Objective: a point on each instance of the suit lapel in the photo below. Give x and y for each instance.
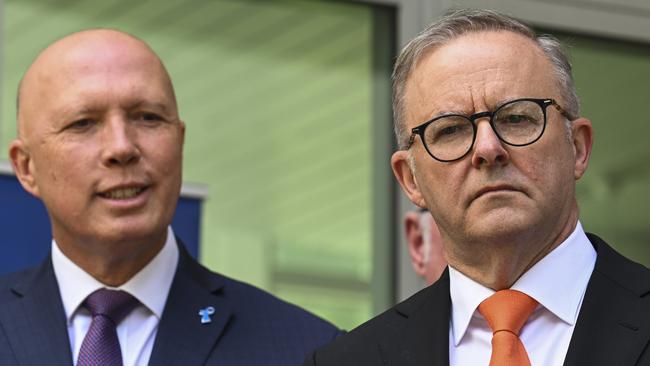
(613, 327)
(422, 338)
(182, 339)
(35, 322)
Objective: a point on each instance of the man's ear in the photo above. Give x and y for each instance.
(583, 138)
(415, 242)
(22, 163)
(406, 178)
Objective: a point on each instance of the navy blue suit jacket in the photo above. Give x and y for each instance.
(249, 326)
(613, 327)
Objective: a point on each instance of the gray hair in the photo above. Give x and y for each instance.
(458, 23)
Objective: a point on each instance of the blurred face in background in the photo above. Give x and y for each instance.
(424, 245)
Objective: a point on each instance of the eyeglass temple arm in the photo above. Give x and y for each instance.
(414, 132)
(561, 110)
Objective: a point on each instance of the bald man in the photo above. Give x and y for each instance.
(100, 142)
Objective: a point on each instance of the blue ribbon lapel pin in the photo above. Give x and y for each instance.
(206, 314)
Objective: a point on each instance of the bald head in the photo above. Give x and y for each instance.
(78, 51)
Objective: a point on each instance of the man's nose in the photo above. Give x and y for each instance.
(488, 148)
(120, 143)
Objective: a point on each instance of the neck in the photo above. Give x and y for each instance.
(112, 264)
(498, 264)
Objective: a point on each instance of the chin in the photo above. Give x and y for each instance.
(132, 232)
(501, 224)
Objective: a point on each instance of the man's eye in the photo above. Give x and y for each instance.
(81, 124)
(150, 117)
(516, 118)
(450, 130)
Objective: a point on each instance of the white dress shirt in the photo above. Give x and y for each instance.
(558, 282)
(150, 286)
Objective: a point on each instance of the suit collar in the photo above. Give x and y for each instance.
(423, 338)
(182, 338)
(613, 326)
(152, 283)
(34, 320)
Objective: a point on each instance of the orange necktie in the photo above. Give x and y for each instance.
(506, 312)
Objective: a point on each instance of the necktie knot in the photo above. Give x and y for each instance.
(101, 346)
(113, 304)
(507, 310)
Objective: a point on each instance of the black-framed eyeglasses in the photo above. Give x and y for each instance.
(519, 122)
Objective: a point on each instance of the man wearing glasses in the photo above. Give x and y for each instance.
(491, 142)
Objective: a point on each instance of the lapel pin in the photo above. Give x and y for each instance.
(205, 315)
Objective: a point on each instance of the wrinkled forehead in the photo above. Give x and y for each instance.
(476, 72)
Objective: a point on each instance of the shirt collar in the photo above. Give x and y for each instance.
(558, 282)
(75, 284)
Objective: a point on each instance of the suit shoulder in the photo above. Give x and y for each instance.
(360, 345)
(272, 305)
(628, 274)
(283, 332)
(253, 305)
(257, 309)
(258, 329)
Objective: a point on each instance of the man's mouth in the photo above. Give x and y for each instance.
(122, 193)
(496, 188)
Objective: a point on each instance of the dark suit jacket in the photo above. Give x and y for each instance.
(613, 327)
(249, 326)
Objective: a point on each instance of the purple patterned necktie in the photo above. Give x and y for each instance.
(101, 346)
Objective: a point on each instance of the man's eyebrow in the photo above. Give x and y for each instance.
(157, 105)
(492, 107)
(70, 111)
(501, 102)
(445, 112)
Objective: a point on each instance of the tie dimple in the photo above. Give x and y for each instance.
(101, 346)
(506, 311)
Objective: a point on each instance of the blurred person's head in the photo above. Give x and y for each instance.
(490, 140)
(424, 245)
(100, 143)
